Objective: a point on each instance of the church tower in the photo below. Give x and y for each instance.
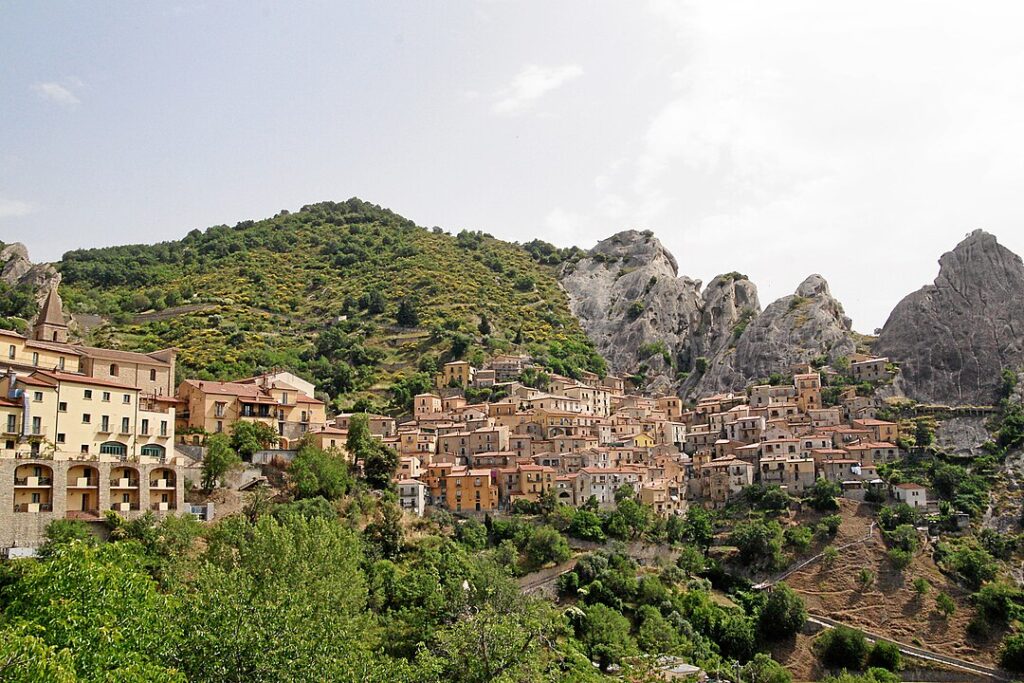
(50, 325)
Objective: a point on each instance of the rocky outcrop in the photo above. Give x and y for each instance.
(644, 318)
(629, 297)
(16, 269)
(953, 338)
(795, 329)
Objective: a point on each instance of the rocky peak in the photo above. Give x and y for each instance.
(954, 337)
(636, 248)
(792, 330)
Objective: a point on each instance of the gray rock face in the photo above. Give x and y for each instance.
(629, 297)
(953, 338)
(16, 269)
(794, 329)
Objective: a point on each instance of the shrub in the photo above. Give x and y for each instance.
(842, 648)
(885, 655)
(783, 614)
(1011, 653)
(944, 604)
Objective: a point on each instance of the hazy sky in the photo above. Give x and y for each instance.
(858, 140)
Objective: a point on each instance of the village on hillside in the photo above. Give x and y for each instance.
(87, 430)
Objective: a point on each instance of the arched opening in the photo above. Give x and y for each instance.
(162, 488)
(124, 489)
(114, 370)
(33, 488)
(83, 492)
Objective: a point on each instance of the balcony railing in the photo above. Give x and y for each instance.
(33, 482)
(161, 507)
(34, 507)
(124, 507)
(83, 482)
(161, 484)
(124, 483)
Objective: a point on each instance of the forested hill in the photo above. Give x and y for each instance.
(349, 294)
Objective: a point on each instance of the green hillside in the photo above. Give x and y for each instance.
(320, 291)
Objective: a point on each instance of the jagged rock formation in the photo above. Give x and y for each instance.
(629, 297)
(953, 338)
(16, 269)
(793, 330)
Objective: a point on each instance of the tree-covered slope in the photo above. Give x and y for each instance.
(321, 291)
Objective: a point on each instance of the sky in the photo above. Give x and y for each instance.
(855, 140)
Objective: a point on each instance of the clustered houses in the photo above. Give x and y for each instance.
(578, 440)
(85, 430)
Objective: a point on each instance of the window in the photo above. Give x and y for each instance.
(87, 394)
(86, 418)
(219, 408)
(124, 425)
(220, 427)
(126, 399)
(35, 358)
(10, 444)
(145, 426)
(12, 424)
(37, 397)
(62, 407)
(85, 449)
(113, 370)
(11, 351)
(152, 375)
(37, 426)
(60, 362)
(113, 448)
(152, 450)
(163, 427)
(105, 423)
(106, 396)
(60, 438)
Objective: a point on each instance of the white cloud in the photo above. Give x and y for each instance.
(57, 93)
(12, 208)
(530, 84)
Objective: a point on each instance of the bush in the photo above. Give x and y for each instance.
(1011, 653)
(944, 604)
(842, 648)
(885, 655)
(799, 537)
(759, 543)
(783, 614)
(823, 495)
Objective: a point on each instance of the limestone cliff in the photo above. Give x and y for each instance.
(16, 269)
(953, 338)
(792, 330)
(629, 297)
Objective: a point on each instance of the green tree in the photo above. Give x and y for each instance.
(823, 495)
(407, 315)
(842, 648)
(247, 437)
(218, 460)
(586, 525)
(385, 533)
(885, 655)
(1011, 652)
(547, 545)
(61, 532)
(763, 669)
(944, 604)
(25, 657)
(921, 586)
(380, 463)
(699, 528)
(605, 635)
(485, 325)
(315, 472)
(110, 617)
(783, 614)
(759, 543)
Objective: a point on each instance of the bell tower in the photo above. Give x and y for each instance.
(50, 325)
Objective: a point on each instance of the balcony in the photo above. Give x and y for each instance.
(104, 429)
(33, 482)
(161, 507)
(124, 507)
(124, 483)
(161, 484)
(34, 507)
(83, 483)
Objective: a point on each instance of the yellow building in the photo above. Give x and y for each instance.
(214, 407)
